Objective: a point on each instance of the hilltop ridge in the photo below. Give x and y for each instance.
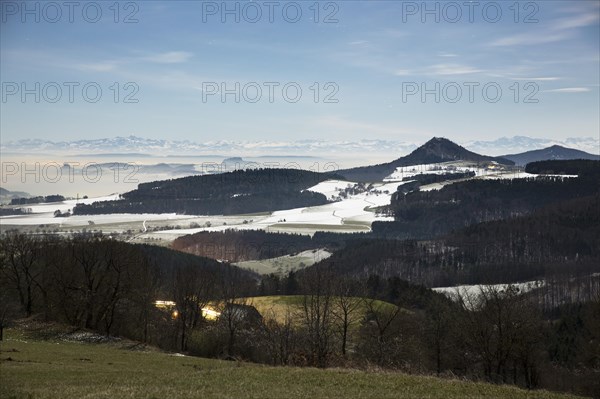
(438, 149)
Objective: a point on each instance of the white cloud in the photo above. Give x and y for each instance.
(542, 79)
(107, 66)
(531, 39)
(569, 90)
(402, 72)
(171, 57)
(577, 21)
(453, 69)
(448, 55)
(556, 30)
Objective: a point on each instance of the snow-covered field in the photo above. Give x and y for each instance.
(474, 291)
(352, 209)
(349, 213)
(491, 171)
(284, 264)
(43, 213)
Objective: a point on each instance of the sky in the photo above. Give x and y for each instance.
(284, 71)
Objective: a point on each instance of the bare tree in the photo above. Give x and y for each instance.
(9, 310)
(440, 321)
(381, 329)
(237, 313)
(346, 312)
(19, 264)
(503, 328)
(145, 292)
(317, 315)
(280, 337)
(192, 290)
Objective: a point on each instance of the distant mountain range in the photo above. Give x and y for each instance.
(144, 146)
(133, 145)
(555, 152)
(436, 150)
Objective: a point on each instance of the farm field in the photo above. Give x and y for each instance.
(32, 368)
(278, 307)
(345, 215)
(284, 264)
(349, 213)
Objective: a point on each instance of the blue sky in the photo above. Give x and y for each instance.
(370, 53)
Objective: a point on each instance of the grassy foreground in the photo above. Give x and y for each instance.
(59, 369)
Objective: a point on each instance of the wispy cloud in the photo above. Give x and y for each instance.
(541, 79)
(554, 31)
(577, 21)
(104, 66)
(402, 72)
(525, 39)
(440, 70)
(171, 57)
(569, 90)
(452, 69)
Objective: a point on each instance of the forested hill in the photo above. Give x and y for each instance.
(242, 191)
(560, 239)
(555, 152)
(239, 246)
(438, 149)
(585, 168)
(427, 214)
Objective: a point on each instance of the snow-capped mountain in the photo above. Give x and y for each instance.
(158, 147)
(139, 145)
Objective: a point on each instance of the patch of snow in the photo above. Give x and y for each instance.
(442, 168)
(316, 254)
(331, 188)
(64, 206)
(83, 220)
(350, 214)
(474, 291)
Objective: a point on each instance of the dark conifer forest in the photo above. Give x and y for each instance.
(241, 191)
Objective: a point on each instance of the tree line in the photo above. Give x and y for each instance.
(560, 239)
(94, 282)
(242, 245)
(237, 192)
(427, 214)
(37, 200)
(580, 167)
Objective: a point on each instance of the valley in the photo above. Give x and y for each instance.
(300, 268)
(313, 199)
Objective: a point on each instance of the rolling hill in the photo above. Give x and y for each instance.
(555, 152)
(562, 236)
(34, 368)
